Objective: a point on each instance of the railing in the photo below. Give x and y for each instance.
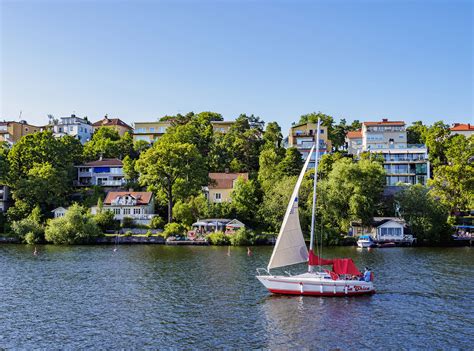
(111, 183)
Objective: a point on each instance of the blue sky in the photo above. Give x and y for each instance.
(409, 60)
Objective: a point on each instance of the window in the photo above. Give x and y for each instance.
(218, 196)
(117, 211)
(152, 130)
(136, 211)
(391, 231)
(126, 211)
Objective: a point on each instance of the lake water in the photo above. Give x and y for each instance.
(200, 298)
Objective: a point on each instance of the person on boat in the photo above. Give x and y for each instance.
(367, 274)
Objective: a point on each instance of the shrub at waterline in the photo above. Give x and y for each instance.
(218, 238)
(242, 237)
(173, 229)
(157, 223)
(76, 227)
(29, 229)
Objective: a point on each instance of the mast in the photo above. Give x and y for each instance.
(311, 242)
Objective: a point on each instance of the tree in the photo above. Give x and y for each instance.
(351, 191)
(326, 120)
(292, 163)
(189, 210)
(339, 132)
(4, 164)
(416, 133)
(272, 136)
(131, 175)
(435, 138)
(426, 216)
(173, 170)
(245, 200)
(76, 227)
(29, 229)
(268, 167)
(453, 183)
(104, 143)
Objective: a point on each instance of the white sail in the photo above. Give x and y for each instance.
(290, 247)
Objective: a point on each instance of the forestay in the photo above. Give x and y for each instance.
(290, 247)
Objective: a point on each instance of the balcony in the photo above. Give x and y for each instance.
(110, 182)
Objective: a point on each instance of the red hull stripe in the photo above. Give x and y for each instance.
(317, 293)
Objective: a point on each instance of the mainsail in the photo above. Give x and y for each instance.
(290, 247)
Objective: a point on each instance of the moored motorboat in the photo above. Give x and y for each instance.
(365, 241)
(343, 280)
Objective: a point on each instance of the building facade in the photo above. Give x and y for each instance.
(150, 131)
(221, 126)
(4, 198)
(221, 186)
(11, 131)
(79, 128)
(106, 172)
(403, 163)
(463, 129)
(114, 123)
(303, 137)
(137, 205)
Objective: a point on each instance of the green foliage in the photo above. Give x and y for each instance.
(157, 223)
(245, 200)
(218, 238)
(351, 191)
(92, 196)
(291, 164)
(128, 233)
(268, 173)
(104, 143)
(427, 217)
(173, 229)
(41, 171)
(29, 229)
(416, 133)
(172, 169)
(76, 227)
(453, 183)
(242, 237)
(105, 220)
(272, 137)
(435, 138)
(188, 211)
(4, 163)
(127, 222)
(131, 175)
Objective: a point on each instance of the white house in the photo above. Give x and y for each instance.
(384, 229)
(59, 212)
(107, 172)
(137, 205)
(79, 128)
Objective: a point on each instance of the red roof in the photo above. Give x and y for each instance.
(104, 162)
(462, 127)
(142, 197)
(354, 134)
(384, 122)
(105, 122)
(225, 180)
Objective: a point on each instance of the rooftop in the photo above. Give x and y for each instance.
(225, 180)
(383, 122)
(142, 197)
(354, 134)
(104, 162)
(458, 127)
(111, 122)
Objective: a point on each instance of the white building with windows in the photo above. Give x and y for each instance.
(137, 205)
(59, 212)
(107, 172)
(384, 229)
(79, 128)
(404, 163)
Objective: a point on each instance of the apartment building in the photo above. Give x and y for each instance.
(107, 172)
(11, 131)
(303, 137)
(79, 128)
(114, 123)
(404, 163)
(150, 131)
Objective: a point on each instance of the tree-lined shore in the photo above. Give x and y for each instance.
(40, 170)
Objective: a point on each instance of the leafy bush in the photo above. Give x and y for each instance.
(77, 226)
(218, 238)
(127, 222)
(105, 220)
(157, 223)
(28, 230)
(242, 237)
(128, 233)
(148, 234)
(173, 229)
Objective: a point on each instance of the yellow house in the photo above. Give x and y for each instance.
(150, 131)
(303, 136)
(222, 126)
(116, 123)
(12, 131)
(221, 186)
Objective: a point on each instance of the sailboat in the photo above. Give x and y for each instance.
(344, 279)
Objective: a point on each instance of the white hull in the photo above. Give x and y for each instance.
(315, 284)
(365, 243)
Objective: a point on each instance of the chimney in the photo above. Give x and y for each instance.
(384, 119)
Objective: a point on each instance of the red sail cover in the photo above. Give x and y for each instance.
(339, 265)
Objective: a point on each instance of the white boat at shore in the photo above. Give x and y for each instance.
(365, 241)
(343, 280)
